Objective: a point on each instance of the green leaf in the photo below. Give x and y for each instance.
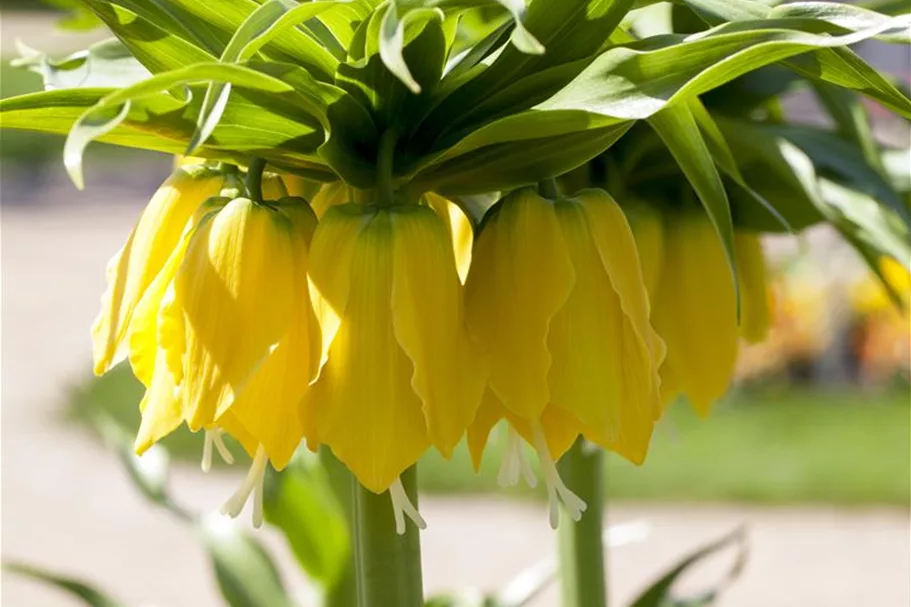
(660, 593)
(300, 503)
(164, 123)
(305, 106)
(847, 162)
(843, 68)
(639, 79)
(83, 592)
(392, 40)
(367, 77)
(104, 64)
(264, 24)
(861, 217)
(778, 171)
(246, 574)
(521, 38)
(897, 164)
(847, 17)
(156, 48)
(724, 158)
(519, 150)
(570, 30)
(292, 45)
(716, 11)
(676, 126)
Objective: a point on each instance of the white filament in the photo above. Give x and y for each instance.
(252, 483)
(557, 492)
(514, 463)
(206, 464)
(213, 437)
(402, 506)
(220, 446)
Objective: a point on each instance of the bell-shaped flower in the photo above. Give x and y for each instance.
(232, 336)
(694, 303)
(152, 241)
(555, 295)
(400, 373)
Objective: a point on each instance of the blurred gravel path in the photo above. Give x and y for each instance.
(67, 505)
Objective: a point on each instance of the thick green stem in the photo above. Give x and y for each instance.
(388, 564)
(548, 189)
(255, 180)
(344, 486)
(582, 564)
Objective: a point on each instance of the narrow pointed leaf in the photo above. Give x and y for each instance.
(677, 128)
(81, 591)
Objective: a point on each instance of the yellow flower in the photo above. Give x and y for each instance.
(211, 295)
(871, 296)
(400, 374)
(556, 296)
(130, 272)
(328, 196)
(246, 332)
(460, 230)
(694, 303)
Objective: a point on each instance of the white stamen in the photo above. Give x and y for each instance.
(213, 437)
(402, 507)
(252, 482)
(514, 463)
(258, 501)
(557, 492)
(220, 446)
(206, 464)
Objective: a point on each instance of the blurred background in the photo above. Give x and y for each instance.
(810, 449)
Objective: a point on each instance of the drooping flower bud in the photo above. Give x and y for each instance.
(130, 272)
(400, 374)
(556, 296)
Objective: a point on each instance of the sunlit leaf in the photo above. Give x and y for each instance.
(300, 503)
(246, 574)
(104, 64)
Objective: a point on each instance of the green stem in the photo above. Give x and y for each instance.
(389, 565)
(255, 180)
(384, 167)
(548, 189)
(582, 565)
(344, 486)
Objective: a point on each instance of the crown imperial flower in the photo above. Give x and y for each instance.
(556, 296)
(400, 373)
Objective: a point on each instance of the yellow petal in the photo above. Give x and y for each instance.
(330, 195)
(695, 310)
(363, 402)
(603, 370)
(238, 293)
(160, 407)
(267, 408)
(647, 228)
(459, 227)
(755, 312)
(273, 187)
(520, 277)
(144, 330)
(334, 248)
(489, 413)
(146, 251)
(429, 320)
(561, 429)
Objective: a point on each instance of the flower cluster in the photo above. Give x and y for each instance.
(380, 331)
